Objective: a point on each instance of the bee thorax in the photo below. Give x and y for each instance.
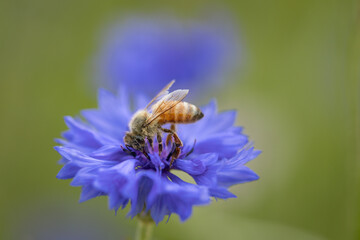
(138, 121)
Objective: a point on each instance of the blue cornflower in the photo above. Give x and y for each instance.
(163, 48)
(214, 155)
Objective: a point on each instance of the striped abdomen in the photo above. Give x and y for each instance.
(183, 112)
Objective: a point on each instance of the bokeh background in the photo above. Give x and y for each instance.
(296, 92)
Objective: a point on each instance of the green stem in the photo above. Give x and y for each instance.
(145, 227)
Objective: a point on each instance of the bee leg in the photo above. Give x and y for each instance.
(171, 152)
(177, 140)
(151, 143)
(178, 144)
(177, 150)
(174, 156)
(145, 154)
(168, 139)
(159, 139)
(169, 136)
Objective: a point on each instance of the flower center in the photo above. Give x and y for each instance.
(158, 158)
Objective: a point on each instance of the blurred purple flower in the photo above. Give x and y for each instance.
(92, 155)
(149, 52)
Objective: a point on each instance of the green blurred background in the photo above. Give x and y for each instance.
(296, 95)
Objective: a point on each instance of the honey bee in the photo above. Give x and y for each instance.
(164, 108)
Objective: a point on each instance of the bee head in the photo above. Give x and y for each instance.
(134, 141)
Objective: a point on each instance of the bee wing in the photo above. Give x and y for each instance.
(166, 103)
(161, 94)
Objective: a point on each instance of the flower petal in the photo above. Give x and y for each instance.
(168, 197)
(110, 152)
(214, 131)
(143, 184)
(221, 192)
(230, 176)
(88, 192)
(190, 166)
(68, 171)
(117, 183)
(83, 135)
